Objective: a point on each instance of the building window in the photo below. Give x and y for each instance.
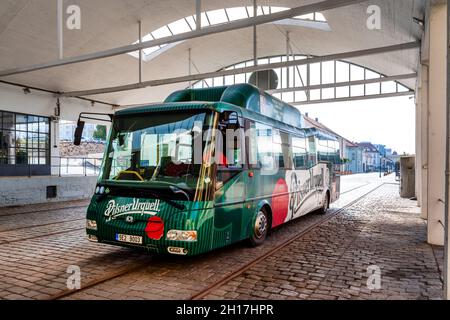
(24, 139)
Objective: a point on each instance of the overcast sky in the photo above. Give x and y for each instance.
(389, 121)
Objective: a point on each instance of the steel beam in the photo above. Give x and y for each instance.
(60, 8)
(54, 93)
(140, 51)
(198, 14)
(201, 76)
(369, 97)
(239, 24)
(255, 35)
(345, 84)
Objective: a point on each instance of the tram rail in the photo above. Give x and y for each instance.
(204, 292)
(41, 225)
(41, 210)
(3, 242)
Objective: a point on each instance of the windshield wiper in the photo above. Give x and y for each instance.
(155, 195)
(177, 190)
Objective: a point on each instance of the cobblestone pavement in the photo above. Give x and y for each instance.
(328, 262)
(331, 262)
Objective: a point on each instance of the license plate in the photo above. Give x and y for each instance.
(128, 238)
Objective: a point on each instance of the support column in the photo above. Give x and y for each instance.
(437, 123)
(54, 147)
(418, 170)
(447, 186)
(422, 166)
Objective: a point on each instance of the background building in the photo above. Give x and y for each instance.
(370, 157)
(355, 158)
(67, 130)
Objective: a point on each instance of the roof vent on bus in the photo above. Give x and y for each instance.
(242, 95)
(205, 94)
(264, 79)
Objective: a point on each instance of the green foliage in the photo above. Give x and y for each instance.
(21, 157)
(100, 132)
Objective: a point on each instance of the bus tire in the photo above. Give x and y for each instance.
(260, 228)
(326, 203)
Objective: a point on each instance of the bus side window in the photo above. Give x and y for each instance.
(282, 149)
(312, 151)
(229, 144)
(322, 149)
(230, 149)
(265, 145)
(299, 152)
(251, 144)
(286, 149)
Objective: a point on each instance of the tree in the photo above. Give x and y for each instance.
(100, 132)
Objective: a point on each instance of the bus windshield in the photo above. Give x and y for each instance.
(158, 148)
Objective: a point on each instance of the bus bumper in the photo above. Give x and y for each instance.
(187, 234)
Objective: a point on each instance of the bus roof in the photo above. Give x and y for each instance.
(220, 107)
(245, 96)
(248, 100)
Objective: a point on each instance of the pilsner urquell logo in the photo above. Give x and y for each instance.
(114, 210)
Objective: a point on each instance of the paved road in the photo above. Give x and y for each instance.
(40, 242)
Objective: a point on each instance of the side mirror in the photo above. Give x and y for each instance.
(78, 133)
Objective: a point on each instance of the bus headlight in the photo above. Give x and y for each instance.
(92, 238)
(180, 235)
(91, 224)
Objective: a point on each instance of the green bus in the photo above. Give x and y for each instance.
(207, 168)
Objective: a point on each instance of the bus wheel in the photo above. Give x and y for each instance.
(326, 204)
(260, 228)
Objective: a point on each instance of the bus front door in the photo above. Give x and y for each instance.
(229, 205)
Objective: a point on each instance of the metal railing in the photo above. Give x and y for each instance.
(86, 166)
(54, 165)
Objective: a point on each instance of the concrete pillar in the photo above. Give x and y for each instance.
(54, 147)
(422, 151)
(437, 90)
(447, 199)
(418, 166)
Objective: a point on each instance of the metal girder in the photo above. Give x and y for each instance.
(56, 94)
(347, 83)
(239, 24)
(255, 35)
(198, 14)
(356, 98)
(154, 83)
(140, 51)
